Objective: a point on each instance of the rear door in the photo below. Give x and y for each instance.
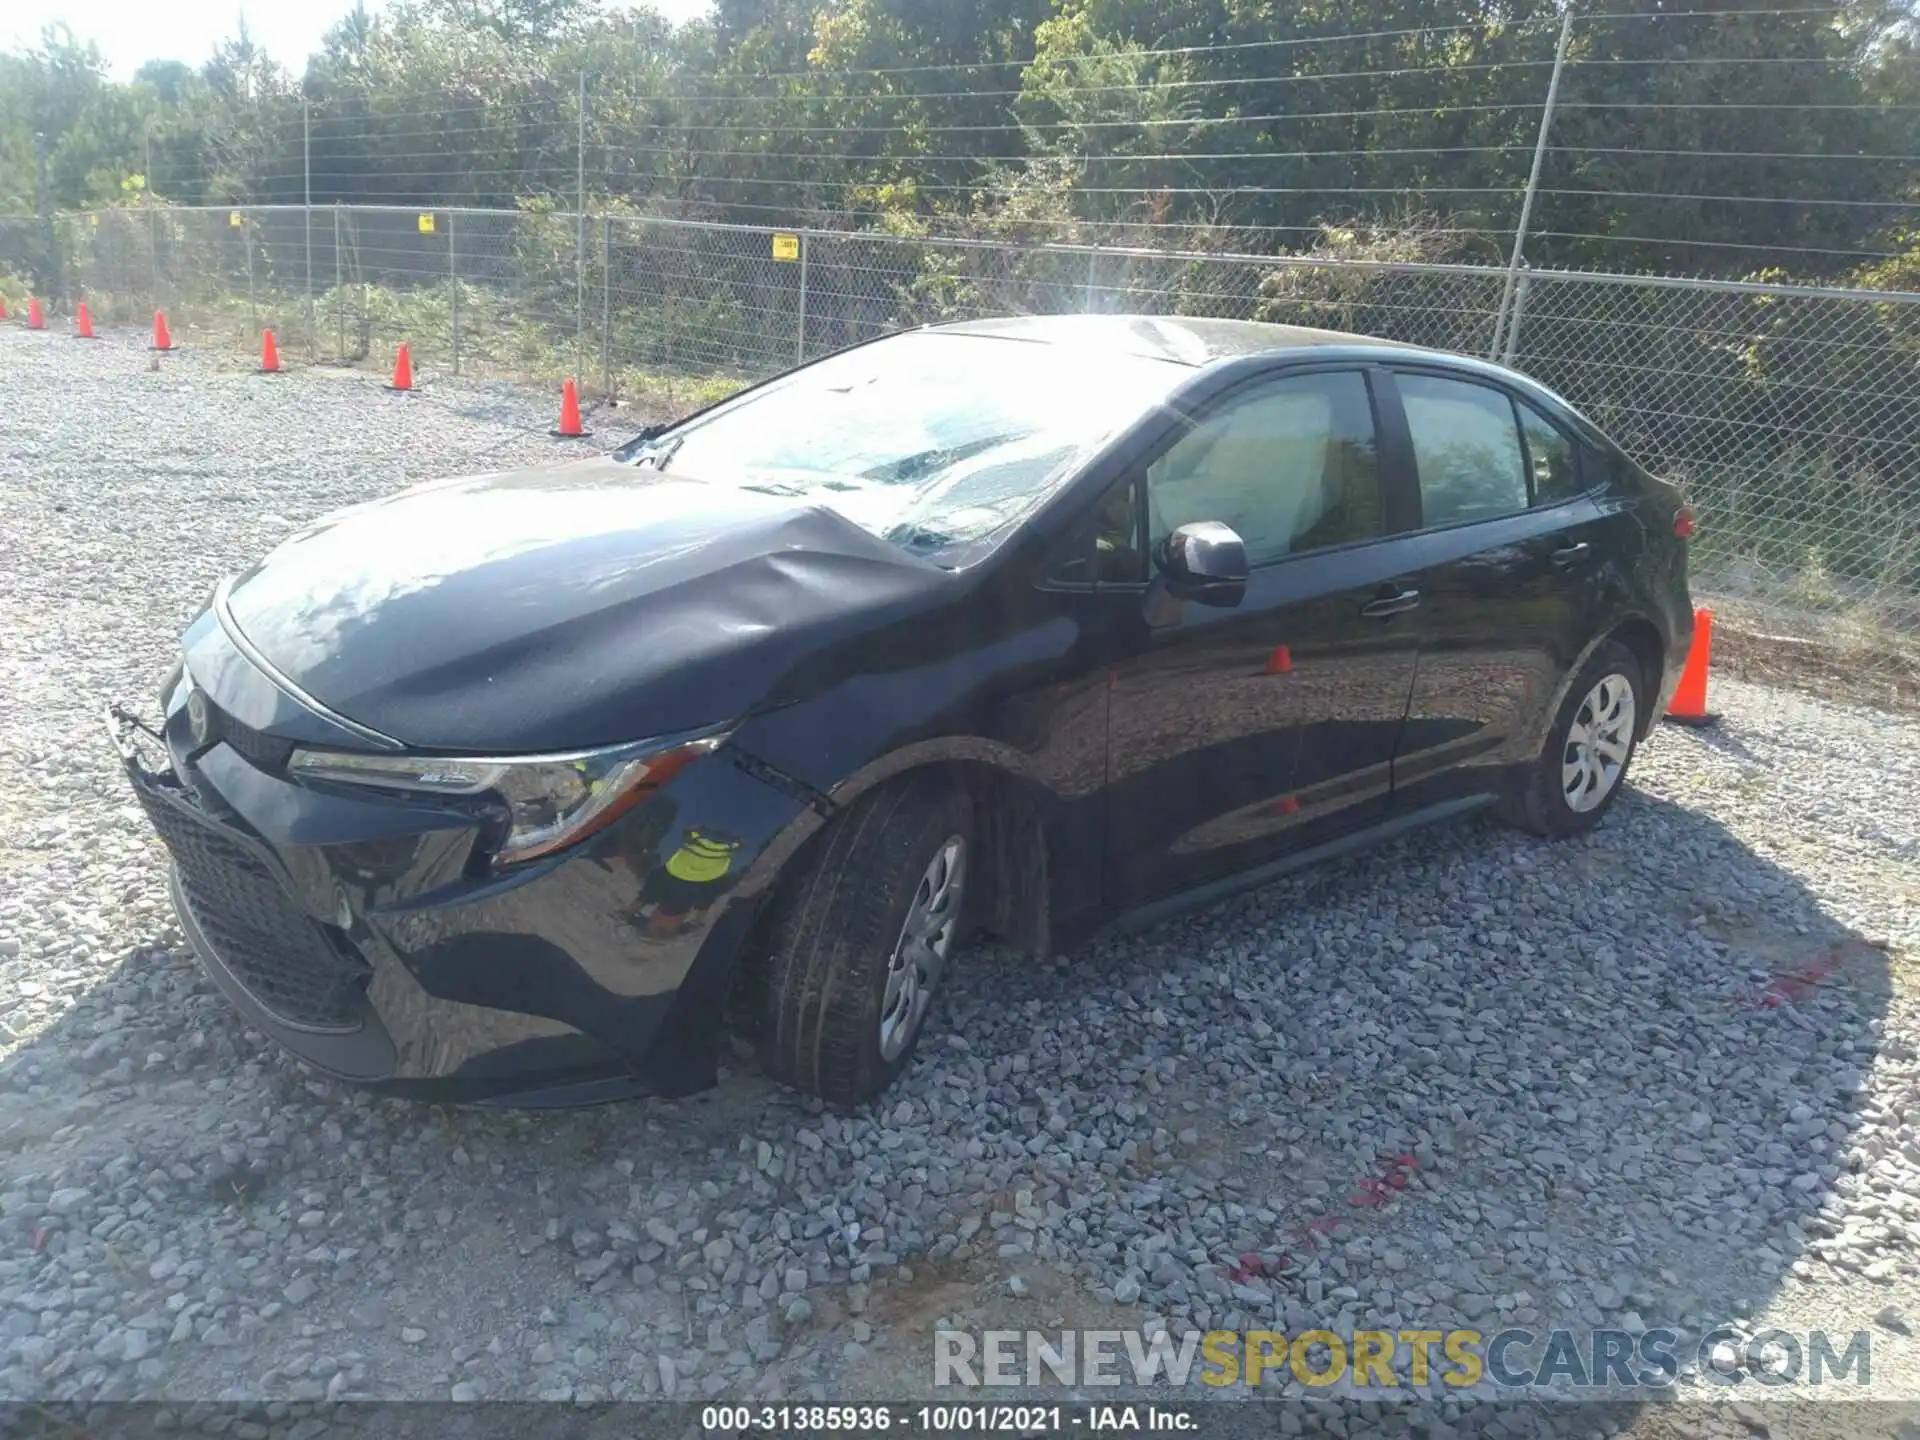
(1505, 559)
(1213, 711)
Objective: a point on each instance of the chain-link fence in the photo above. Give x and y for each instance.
(1791, 415)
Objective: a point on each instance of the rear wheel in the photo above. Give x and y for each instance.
(1579, 774)
(862, 940)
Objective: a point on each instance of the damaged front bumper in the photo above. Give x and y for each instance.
(357, 935)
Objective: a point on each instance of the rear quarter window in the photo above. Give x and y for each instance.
(1553, 463)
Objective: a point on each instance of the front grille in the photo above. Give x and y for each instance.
(296, 968)
(268, 752)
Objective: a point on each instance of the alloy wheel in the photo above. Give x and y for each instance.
(920, 954)
(1598, 743)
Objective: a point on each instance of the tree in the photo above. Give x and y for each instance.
(1721, 140)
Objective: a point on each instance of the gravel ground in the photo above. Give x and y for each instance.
(1661, 1076)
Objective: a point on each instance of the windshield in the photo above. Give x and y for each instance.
(935, 442)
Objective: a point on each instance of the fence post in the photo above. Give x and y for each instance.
(606, 306)
(253, 295)
(1093, 280)
(1512, 345)
(339, 289)
(153, 228)
(580, 234)
(800, 330)
(1533, 184)
(43, 196)
(153, 256)
(306, 169)
(453, 281)
(366, 314)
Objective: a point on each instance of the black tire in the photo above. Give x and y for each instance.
(836, 932)
(1538, 800)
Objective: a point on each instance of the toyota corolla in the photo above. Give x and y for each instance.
(519, 788)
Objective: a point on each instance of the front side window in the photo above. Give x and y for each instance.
(938, 443)
(1291, 465)
(1466, 447)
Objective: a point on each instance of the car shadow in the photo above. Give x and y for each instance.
(1682, 1178)
(1622, 1076)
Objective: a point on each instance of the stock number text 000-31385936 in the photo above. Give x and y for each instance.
(881, 1419)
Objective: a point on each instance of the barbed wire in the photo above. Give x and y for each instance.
(911, 97)
(1728, 199)
(1740, 14)
(1490, 27)
(1718, 244)
(1725, 154)
(420, 147)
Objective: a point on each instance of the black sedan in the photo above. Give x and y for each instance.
(518, 788)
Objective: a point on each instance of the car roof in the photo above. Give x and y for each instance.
(1185, 340)
(1198, 341)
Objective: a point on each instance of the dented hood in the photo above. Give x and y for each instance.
(566, 608)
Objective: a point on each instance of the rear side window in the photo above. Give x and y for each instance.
(1466, 447)
(1550, 458)
(1291, 465)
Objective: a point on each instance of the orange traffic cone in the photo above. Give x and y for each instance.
(269, 354)
(402, 370)
(569, 426)
(82, 323)
(1689, 705)
(35, 320)
(162, 337)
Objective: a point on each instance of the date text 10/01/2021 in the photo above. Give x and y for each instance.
(942, 1419)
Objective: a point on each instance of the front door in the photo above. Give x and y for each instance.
(1231, 728)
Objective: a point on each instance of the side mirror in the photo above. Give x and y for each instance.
(1205, 562)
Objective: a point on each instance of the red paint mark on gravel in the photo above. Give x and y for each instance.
(1796, 985)
(1392, 1174)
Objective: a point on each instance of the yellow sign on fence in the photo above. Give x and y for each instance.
(786, 246)
(426, 224)
(236, 219)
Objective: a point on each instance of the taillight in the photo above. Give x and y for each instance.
(1683, 522)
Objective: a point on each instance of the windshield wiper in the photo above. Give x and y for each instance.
(910, 469)
(811, 482)
(640, 441)
(645, 447)
(665, 453)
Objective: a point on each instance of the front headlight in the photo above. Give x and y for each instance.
(555, 800)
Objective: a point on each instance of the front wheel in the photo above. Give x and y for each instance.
(862, 939)
(1579, 774)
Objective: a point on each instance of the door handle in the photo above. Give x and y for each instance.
(1568, 556)
(1397, 603)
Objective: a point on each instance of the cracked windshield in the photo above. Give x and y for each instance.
(936, 443)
